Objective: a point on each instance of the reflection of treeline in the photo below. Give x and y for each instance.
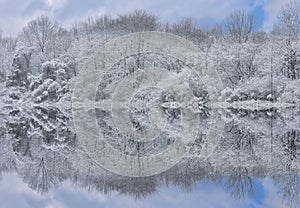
(39, 67)
(291, 144)
(239, 182)
(235, 165)
(254, 114)
(49, 125)
(35, 144)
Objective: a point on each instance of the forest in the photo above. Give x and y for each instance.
(260, 72)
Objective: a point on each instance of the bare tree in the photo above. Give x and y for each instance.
(185, 28)
(39, 32)
(240, 184)
(75, 31)
(7, 50)
(289, 20)
(105, 24)
(188, 29)
(288, 188)
(288, 27)
(239, 25)
(138, 21)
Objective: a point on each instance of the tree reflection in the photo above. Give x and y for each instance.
(40, 145)
(239, 184)
(291, 144)
(289, 188)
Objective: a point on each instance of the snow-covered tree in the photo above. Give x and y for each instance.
(48, 37)
(21, 68)
(291, 64)
(239, 25)
(260, 72)
(7, 50)
(288, 20)
(53, 83)
(185, 28)
(137, 21)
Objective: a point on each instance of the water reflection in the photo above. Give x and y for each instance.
(40, 145)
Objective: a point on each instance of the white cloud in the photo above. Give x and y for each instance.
(50, 2)
(56, 204)
(56, 4)
(172, 10)
(272, 200)
(10, 19)
(15, 14)
(66, 12)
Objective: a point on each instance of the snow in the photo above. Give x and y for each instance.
(142, 103)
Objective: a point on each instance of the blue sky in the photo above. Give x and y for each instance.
(14, 193)
(14, 14)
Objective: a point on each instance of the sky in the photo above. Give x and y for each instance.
(15, 14)
(14, 193)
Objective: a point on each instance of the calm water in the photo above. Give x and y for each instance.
(254, 164)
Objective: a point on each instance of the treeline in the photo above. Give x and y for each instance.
(237, 49)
